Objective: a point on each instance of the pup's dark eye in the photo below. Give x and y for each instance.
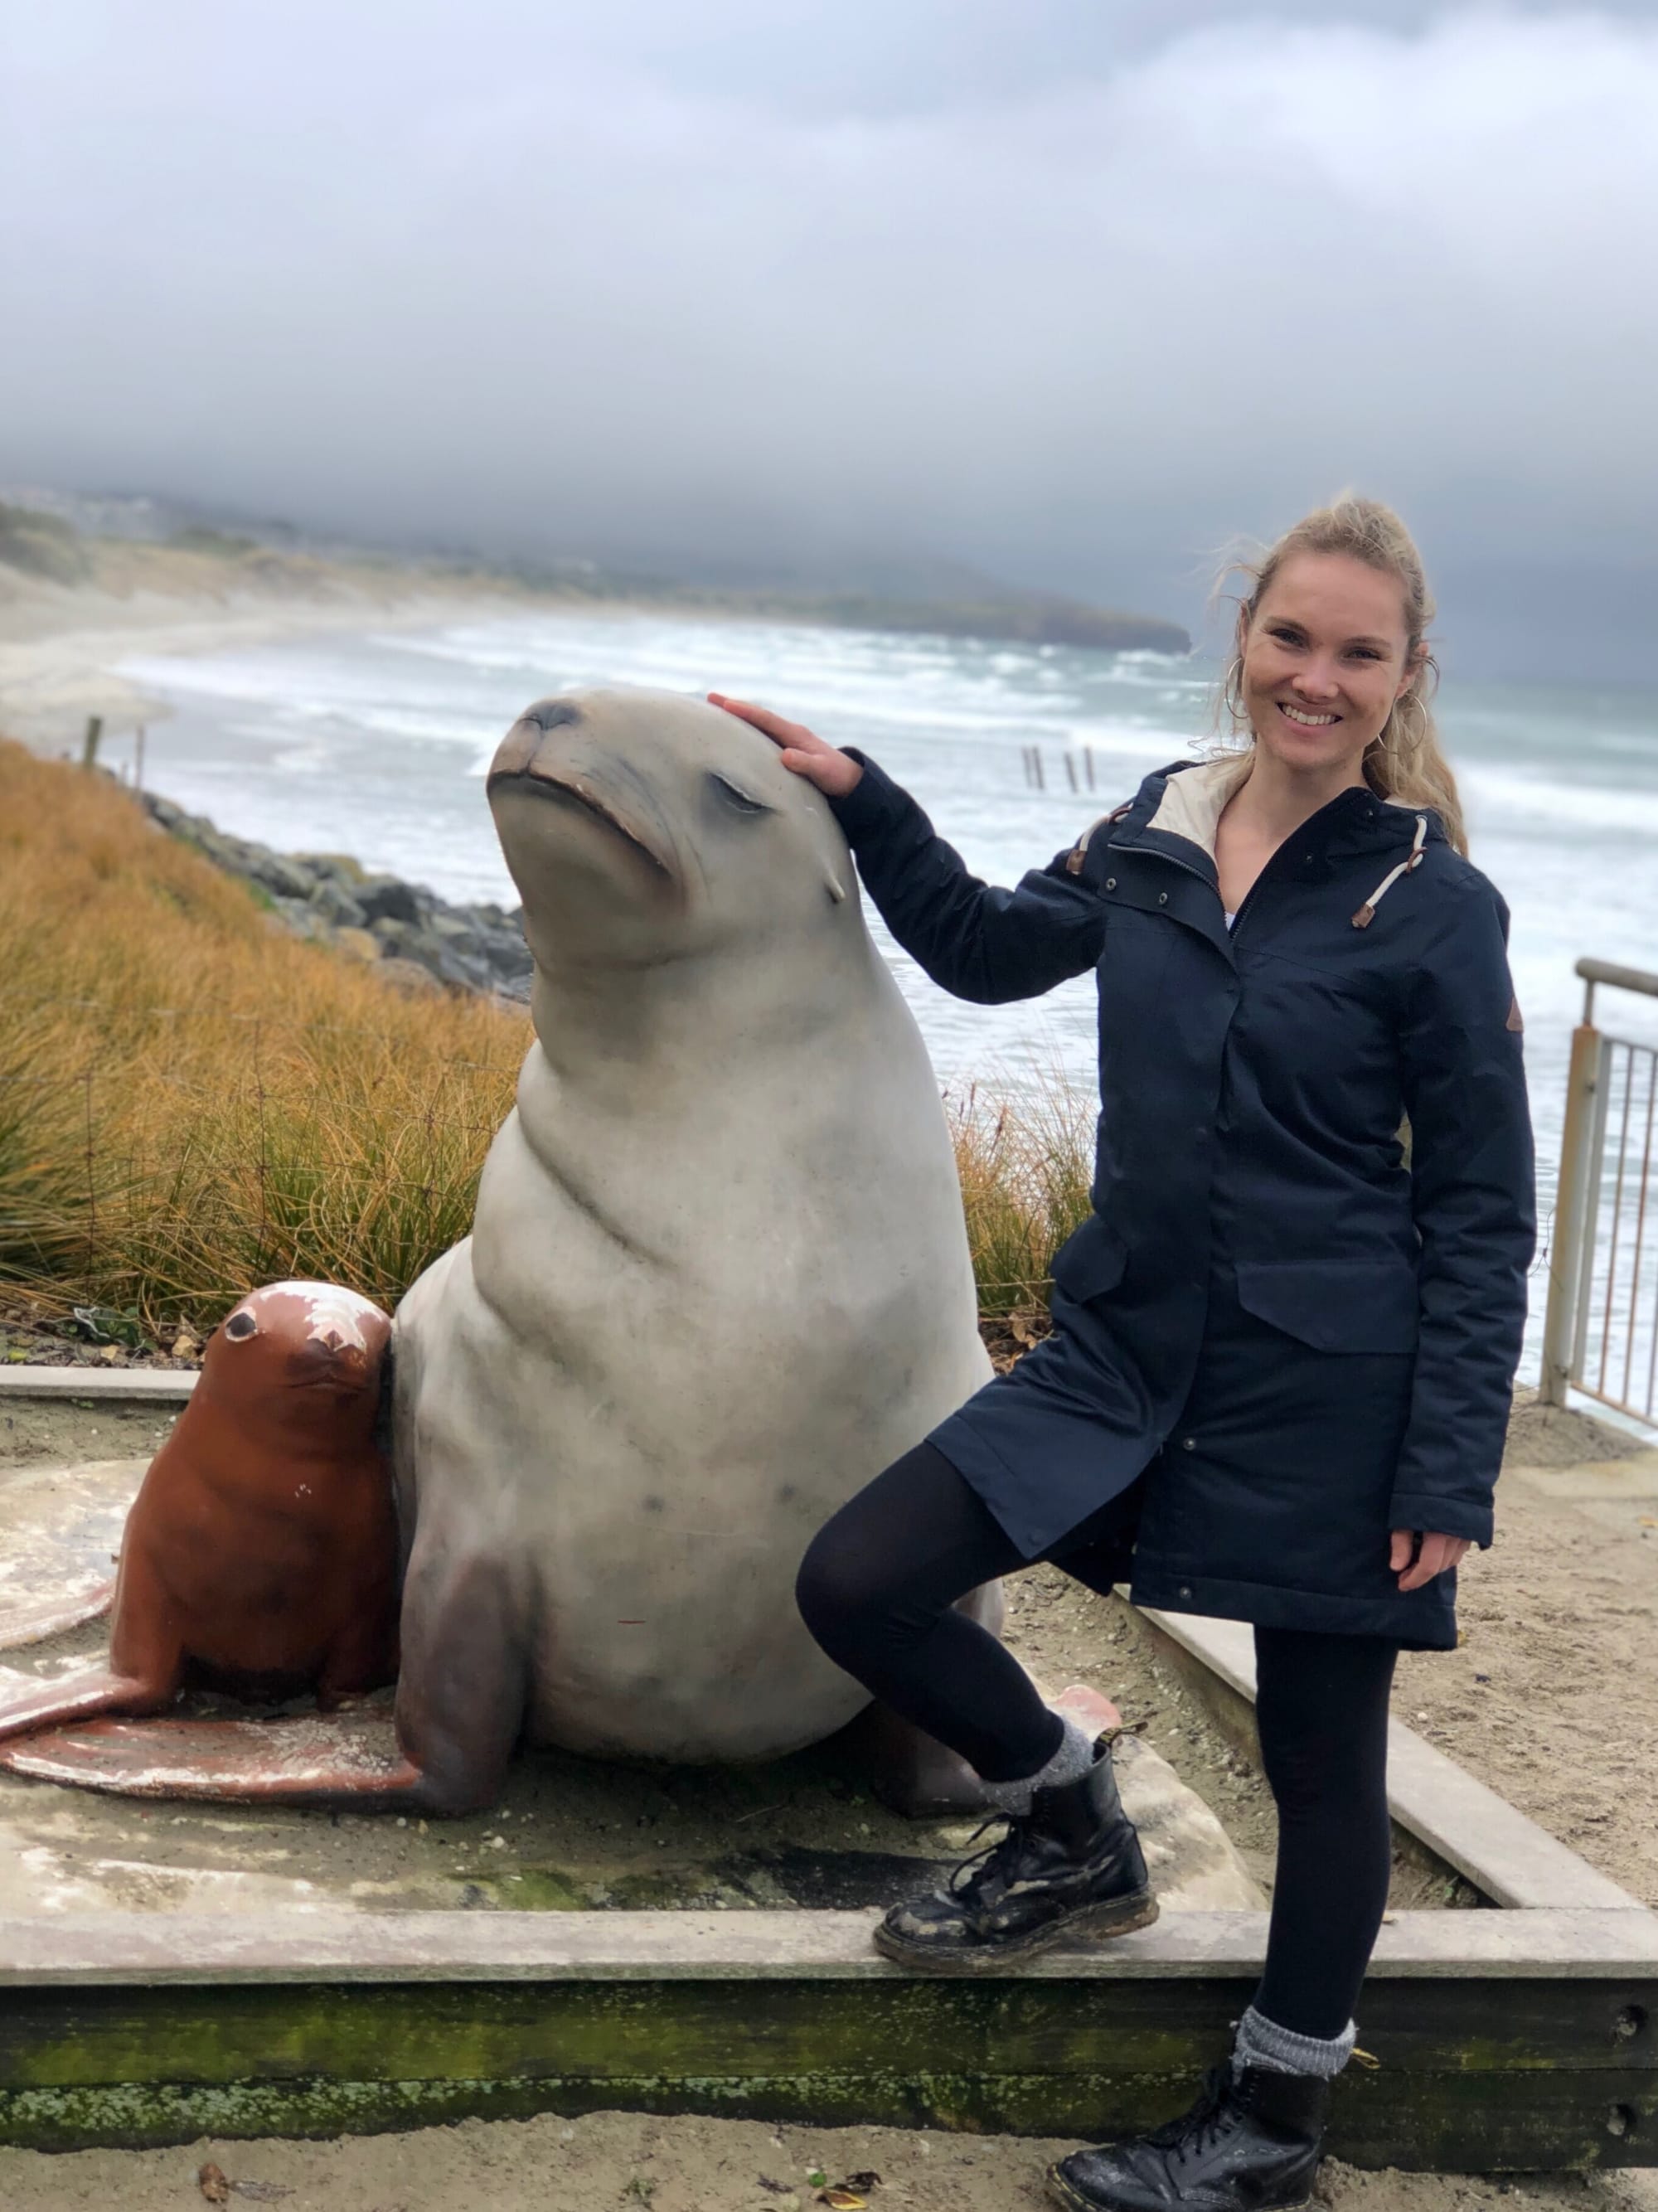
(733, 795)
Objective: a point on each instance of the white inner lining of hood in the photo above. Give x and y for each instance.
(1193, 801)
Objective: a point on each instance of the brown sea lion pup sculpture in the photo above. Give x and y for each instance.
(260, 1556)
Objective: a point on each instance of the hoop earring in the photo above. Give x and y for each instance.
(1411, 739)
(1232, 692)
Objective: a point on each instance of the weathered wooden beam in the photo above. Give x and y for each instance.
(223, 1950)
(1502, 2040)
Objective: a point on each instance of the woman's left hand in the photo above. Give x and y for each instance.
(1437, 1553)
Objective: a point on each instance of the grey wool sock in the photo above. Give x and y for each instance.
(1262, 2042)
(1069, 1763)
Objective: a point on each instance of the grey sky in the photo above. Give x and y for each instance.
(1071, 288)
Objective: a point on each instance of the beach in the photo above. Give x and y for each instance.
(354, 707)
(62, 644)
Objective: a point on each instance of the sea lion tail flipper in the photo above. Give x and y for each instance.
(33, 1705)
(352, 1760)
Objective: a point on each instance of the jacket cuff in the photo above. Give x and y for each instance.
(872, 805)
(1441, 1517)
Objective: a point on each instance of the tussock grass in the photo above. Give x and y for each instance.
(1025, 1165)
(193, 1101)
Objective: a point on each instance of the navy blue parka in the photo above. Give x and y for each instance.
(1290, 1338)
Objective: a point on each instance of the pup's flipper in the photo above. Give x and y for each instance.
(29, 1706)
(311, 1759)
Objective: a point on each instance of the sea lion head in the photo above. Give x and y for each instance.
(641, 826)
(300, 1346)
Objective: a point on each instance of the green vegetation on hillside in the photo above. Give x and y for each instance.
(41, 545)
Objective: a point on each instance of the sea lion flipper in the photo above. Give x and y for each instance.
(352, 1759)
(93, 1692)
(911, 1773)
(461, 1689)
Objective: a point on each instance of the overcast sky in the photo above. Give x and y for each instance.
(1072, 289)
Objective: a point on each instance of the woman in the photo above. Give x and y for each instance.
(1282, 1358)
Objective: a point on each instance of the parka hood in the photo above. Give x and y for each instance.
(1187, 799)
(1177, 809)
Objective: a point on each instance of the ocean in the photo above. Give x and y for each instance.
(377, 745)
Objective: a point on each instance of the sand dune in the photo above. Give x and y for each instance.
(61, 643)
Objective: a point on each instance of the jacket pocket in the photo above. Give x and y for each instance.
(1091, 1261)
(1335, 1305)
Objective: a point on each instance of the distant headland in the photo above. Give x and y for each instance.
(86, 583)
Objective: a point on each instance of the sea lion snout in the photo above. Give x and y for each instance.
(642, 826)
(551, 756)
(308, 1335)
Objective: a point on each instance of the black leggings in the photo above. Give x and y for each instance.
(878, 1589)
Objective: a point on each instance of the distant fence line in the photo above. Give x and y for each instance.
(1076, 761)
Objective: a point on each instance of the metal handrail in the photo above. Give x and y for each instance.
(1621, 978)
(1578, 1271)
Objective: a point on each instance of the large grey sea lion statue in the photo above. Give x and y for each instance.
(718, 1278)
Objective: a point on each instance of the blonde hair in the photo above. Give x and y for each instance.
(1404, 761)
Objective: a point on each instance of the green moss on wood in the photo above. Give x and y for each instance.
(1443, 2123)
(1473, 2074)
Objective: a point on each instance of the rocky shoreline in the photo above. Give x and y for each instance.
(419, 941)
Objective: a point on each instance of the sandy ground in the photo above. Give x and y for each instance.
(1552, 1696)
(60, 644)
(621, 2162)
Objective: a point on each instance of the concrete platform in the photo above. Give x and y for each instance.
(102, 1385)
(698, 1942)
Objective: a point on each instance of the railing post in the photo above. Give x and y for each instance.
(1579, 1160)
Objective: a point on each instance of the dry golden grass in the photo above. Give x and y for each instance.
(1025, 1170)
(193, 1102)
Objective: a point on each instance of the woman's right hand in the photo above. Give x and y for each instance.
(834, 773)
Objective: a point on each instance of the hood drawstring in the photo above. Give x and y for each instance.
(1412, 860)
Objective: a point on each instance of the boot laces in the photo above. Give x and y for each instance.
(1201, 2128)
(971, 1874)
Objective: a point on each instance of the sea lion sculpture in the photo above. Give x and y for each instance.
(260, 1555)
(718, 1278)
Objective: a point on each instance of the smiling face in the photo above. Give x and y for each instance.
(1324, 657)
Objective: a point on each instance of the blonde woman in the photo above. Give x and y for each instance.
(1282, 1358)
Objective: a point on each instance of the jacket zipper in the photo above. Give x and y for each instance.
(1169, 861)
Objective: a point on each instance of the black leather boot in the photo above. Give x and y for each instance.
(1248, 2145)
(1072, 1865)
